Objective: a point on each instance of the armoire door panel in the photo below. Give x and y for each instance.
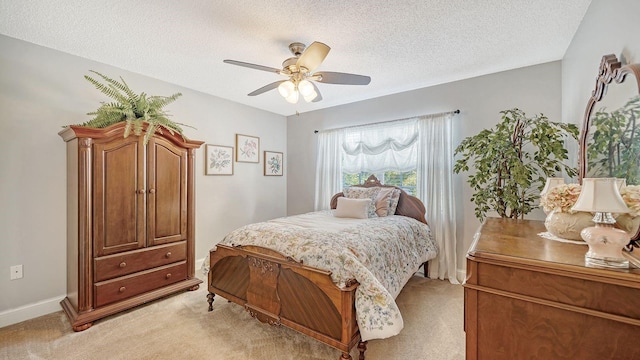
(167, 192)
(119, 201)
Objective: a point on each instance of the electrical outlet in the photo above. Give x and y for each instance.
(16, 272)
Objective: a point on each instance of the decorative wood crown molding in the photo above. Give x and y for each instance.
(610, 70)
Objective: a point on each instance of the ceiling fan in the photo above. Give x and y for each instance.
(299, 69)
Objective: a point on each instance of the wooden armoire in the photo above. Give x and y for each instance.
(130, 220)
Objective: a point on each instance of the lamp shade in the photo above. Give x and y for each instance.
(551, 183)
(600, 195)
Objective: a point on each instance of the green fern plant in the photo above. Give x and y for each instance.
(134, 109)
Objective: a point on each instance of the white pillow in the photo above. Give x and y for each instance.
(352, 208)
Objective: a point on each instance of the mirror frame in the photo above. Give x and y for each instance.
(611, 70)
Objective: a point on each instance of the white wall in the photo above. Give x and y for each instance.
(609, 27)
(40, 91)
(534, 89)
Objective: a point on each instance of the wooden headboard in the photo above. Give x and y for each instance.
(408, 205)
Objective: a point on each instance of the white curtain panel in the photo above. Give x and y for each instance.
(435, 189)
(378, 147)
(328, 167)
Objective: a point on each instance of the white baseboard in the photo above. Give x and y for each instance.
(27, 312)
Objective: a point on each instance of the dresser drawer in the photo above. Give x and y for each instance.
(131, 285)
(112, 266)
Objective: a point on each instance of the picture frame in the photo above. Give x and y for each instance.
(273, 163)
(218, 160)
(247, 148)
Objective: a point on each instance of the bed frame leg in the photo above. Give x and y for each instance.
(425, 268)
(346, 356)
(362, 347)
(210, 297)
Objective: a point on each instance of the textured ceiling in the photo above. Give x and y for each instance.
(402, 45)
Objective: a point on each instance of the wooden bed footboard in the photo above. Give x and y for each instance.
(278, 290)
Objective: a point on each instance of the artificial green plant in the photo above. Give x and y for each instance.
(614, 143)
(512, 160)
(134, 109)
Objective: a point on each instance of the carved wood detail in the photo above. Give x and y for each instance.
(610, 71)
(263, 301)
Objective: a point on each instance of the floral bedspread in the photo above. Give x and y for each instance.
(380, 253)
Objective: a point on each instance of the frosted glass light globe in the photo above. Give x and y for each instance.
(287, 88)
(305, 87)
(293, 98)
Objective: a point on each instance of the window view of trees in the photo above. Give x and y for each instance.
(404, 180)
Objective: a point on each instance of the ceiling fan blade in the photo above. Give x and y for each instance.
(266, 88)
(329, 77)
(319, 96)
(253, 66)
(313, 56)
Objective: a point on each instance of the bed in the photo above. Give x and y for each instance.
(330, 277)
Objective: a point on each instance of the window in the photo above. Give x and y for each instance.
(405, 180)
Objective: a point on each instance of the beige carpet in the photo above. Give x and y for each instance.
(179, 327)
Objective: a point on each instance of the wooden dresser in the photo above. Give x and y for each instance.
(527, 297)
(130, 220)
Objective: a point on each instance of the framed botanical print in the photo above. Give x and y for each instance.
(273, 163)
(247, 148)
(219, 160)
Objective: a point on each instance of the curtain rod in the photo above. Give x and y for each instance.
(389, 121)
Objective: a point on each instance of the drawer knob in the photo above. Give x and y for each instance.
(123, 264)
(122, 289)
(141, 191)
(168, 255)
(168, 276)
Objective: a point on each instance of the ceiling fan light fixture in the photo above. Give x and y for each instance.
(287, 88)
(300, 71)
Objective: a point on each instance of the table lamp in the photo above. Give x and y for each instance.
(602, 197)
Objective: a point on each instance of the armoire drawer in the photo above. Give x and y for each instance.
(131, 285)
(112, 266)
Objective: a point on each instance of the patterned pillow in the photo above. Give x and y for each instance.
(383, 200)
(363, 193)
(393, 201)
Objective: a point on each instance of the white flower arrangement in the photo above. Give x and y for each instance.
(561, 198)
(631, 196)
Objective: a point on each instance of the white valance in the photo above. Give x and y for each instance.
(381, 147)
